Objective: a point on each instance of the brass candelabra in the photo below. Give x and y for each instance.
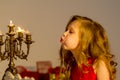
(13, 46)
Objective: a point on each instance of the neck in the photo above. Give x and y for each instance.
(80, 57)
(76, 55)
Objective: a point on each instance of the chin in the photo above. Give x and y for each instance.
(65, 47)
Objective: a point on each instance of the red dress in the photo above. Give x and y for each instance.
(86, 74)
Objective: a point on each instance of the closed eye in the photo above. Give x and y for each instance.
(71, 31)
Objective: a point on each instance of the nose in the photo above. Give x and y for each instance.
(64, 34)
(63, 37)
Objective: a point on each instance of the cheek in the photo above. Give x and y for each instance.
(72, 43)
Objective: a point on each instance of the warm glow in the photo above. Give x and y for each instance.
(10, 21)
(11, 24)
(27, 32)
(20, 30)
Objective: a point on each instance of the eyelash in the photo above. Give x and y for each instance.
(70, 31)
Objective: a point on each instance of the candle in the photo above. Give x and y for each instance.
(20, 32)
(28, 35)
(11, 27)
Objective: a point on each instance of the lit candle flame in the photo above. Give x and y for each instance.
(11, 24)
(27, 32)
(10, 21)
(20, 30)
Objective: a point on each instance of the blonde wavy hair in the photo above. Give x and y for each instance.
(94, 44)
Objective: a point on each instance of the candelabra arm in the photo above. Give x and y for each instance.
(4, 55)
(28, 42)
(28, 48)
(23, 55)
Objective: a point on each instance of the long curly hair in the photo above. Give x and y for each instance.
(94, 44)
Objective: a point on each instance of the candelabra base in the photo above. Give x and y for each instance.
(13, 70)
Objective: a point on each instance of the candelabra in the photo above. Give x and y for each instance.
(13, 46)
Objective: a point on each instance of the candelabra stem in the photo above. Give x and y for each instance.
(11, 53)
(11, 66)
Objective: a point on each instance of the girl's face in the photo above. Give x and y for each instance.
(70, 38)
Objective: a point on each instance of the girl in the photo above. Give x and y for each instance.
(85, 51)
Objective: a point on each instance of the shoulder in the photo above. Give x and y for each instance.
(99, 63)
(101, 70)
